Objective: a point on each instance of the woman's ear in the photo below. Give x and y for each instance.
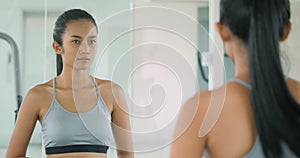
(286, 31)
(57, 48)
(224, 31)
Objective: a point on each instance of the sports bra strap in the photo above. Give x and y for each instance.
(243, 83)
(54, 87)
(98, 89)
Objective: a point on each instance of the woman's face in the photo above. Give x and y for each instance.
(79, 44)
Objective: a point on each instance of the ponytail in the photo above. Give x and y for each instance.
(59, 64)
(276, 112)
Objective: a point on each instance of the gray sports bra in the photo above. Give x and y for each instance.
(257, 151)
(65, 132)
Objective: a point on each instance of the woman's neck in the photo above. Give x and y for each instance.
(241, 63)
(76, 79)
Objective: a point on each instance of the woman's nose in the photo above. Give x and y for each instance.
(84, 47)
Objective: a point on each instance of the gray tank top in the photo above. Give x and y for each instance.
(257, 151)
(62, 128)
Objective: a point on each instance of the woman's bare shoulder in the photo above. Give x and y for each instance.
(40, 89)
(108, 85)
(39, 93)
(197, 105)
(294, 87)
(293, 82)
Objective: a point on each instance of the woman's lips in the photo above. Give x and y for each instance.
(83, 59)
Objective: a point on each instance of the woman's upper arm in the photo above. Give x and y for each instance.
(121, 123)
(187, 142)
(26, 120)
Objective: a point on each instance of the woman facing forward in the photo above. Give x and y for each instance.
(80, 115)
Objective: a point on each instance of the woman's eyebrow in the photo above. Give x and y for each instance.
(92, 37)
(76, 36)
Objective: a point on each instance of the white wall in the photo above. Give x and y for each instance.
(164, 69)
(8, 96)
(291, 46)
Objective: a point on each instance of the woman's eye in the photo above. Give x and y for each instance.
(76, 41)
(91, 42)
